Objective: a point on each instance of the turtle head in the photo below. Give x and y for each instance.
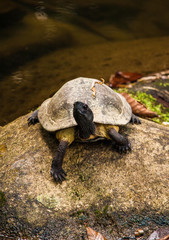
(83, 116)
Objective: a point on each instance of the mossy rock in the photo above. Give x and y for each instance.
(113, 193)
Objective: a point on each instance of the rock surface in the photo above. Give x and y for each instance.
(113, 193)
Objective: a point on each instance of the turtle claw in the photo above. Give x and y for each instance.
(124, 148)
(58, 174)
(135, 120)
(33, 119)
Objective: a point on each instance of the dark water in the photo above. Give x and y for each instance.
(46, 43)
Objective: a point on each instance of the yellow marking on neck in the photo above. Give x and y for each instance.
(101, 130)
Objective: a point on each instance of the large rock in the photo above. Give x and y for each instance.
(113, 193)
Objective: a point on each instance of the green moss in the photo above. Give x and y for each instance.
(163, 84)
(102, 212)
(48, 201)
(2, 199)
(149, 101)
(80, 214)
(151, 104)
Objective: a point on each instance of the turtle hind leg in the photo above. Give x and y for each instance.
(135, 119)
(122, 144)
(33, 119)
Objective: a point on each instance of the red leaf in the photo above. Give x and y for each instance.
(138, 108)
(93, 235)
(123, 78)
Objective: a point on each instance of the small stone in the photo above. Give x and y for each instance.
(139, 232)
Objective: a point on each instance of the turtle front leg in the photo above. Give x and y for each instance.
(122, 143)
(33, 119)
(56, 168)
(65, 137)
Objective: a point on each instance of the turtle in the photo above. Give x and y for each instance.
(84, 109)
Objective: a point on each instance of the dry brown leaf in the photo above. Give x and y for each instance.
(160, 234)
(93, 87)
(94, 91)
(138, 108)
(93, 235)
(121, 78)
(165, 238)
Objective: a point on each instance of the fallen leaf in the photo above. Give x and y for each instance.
(94, 91)
(138, 108)
(160, 234)
(93, 87)
(93, 235)
(165, 238)
(155, 76)
(120, 78)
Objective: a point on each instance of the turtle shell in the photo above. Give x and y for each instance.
(108, 106)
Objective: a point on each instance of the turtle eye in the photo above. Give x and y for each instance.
(85, 106)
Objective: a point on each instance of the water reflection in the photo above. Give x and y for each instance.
(45, 43)
(17, 77)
